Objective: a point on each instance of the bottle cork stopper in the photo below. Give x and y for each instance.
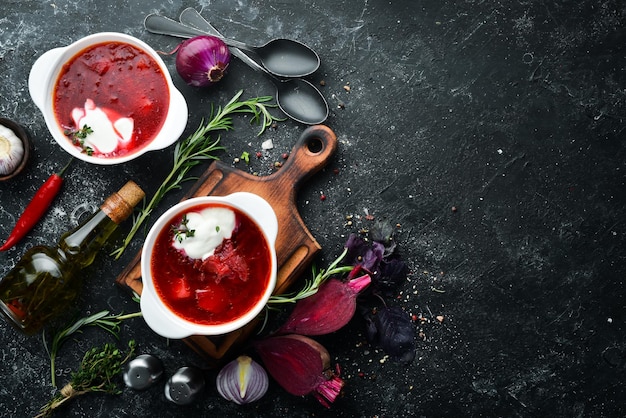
(120, 205)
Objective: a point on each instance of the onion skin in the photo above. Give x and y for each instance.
(328, 310)
(301, 366)
(242, 381)
(202, 61)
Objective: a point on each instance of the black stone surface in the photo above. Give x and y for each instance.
(511, 112)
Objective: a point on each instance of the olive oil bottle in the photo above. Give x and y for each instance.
(47, 279)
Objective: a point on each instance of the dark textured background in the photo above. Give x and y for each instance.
(513, 112)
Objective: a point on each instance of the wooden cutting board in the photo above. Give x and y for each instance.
(295, 246)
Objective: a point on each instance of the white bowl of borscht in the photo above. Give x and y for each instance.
(107, 98)
(208, 265)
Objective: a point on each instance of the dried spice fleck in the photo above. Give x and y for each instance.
(285, 155)
(322, 83)
(322, 197)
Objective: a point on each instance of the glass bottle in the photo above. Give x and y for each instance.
(47, 279)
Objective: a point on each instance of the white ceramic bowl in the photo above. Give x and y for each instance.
(162, 319)
(43, 78)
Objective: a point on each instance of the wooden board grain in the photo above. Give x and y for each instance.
(295, 246)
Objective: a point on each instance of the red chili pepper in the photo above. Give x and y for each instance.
(36, 208)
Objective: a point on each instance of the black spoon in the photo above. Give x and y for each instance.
(297, 98)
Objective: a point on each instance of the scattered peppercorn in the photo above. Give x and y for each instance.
(259, 154)
(322, 83)
(285, 155)
(322, 197)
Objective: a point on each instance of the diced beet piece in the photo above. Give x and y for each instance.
(213, 299)
(181, 288)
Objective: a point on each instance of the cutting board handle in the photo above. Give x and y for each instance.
(311, 152)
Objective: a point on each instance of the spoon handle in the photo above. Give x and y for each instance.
(163, 25)
(191, 18)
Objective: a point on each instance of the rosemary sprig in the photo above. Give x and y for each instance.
(97, 372)
(312, 286)
(103, 319)
(199, 147)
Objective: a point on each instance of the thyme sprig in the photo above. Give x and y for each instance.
(312, 286)
(97, 373)
(103, 319)
(78, 138)
(199, 147)
(182, 231)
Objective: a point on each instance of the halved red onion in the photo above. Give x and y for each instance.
(242, 381)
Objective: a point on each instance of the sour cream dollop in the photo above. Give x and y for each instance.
(210, 227)
(108, 130)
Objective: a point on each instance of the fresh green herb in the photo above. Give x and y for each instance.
(97, 373)
(217, 229)
(312, 286)
(78, 138)
(182, 231)
(246, 157)
(199, 147)
(103, 319)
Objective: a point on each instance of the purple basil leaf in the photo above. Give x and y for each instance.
(392, 330)
(392, 273)
(366, 254)
(382, 232)
(373, 257)
(357, 247)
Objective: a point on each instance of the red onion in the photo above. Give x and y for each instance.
(242, 381)
(301, 366)
(328, 310)
(202, 61)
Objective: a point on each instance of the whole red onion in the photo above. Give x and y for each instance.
(202, 61)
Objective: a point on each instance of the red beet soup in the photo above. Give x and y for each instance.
(221, 287)
(117, 90)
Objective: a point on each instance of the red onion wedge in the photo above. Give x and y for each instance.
(202, 61)
(301, 366)
(328, 310)
(242, 381)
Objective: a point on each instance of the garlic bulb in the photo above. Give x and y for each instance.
(242, 381)
(11, 151)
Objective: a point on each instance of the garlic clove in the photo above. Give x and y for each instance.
(14, 149)
(242, 381)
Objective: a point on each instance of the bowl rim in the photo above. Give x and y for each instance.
(52, 61)
(152, 296)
